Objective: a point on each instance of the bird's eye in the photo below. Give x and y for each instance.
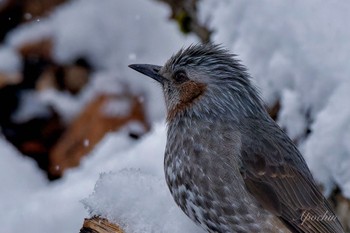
(180, 77)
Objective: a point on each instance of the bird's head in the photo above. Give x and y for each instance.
(204, 79)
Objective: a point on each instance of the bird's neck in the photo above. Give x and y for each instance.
(219, 107)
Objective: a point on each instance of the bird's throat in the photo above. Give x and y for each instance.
(189, 93)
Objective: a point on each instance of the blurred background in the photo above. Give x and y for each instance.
(81, 134)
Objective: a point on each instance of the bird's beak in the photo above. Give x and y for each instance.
(149, 70)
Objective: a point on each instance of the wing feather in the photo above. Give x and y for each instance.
(276, 174)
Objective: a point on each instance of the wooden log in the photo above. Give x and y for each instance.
(99, 225)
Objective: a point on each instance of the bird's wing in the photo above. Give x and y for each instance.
(277, 176)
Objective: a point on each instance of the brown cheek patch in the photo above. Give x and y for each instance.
(189, 92)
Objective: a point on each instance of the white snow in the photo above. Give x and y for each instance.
(118, 107)
(86, 142)
(139, 202)
(64, 103)
(328, 148)
(111, 35)
(10, 60)
(19, 176)
(292, 114)
(30, 106)
(136, 128)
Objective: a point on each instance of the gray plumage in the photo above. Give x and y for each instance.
(227, 163)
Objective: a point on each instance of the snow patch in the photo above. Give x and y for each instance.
(117, 107)
(10, 60)
(139, 202)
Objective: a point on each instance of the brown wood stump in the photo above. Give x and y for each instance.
(99, 225)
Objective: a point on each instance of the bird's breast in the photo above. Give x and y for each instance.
(201, 169)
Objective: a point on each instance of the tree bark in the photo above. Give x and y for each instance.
(99, 225)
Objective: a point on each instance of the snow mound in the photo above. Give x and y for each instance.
(139, 202)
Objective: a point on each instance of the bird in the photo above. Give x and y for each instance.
(227, 163)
